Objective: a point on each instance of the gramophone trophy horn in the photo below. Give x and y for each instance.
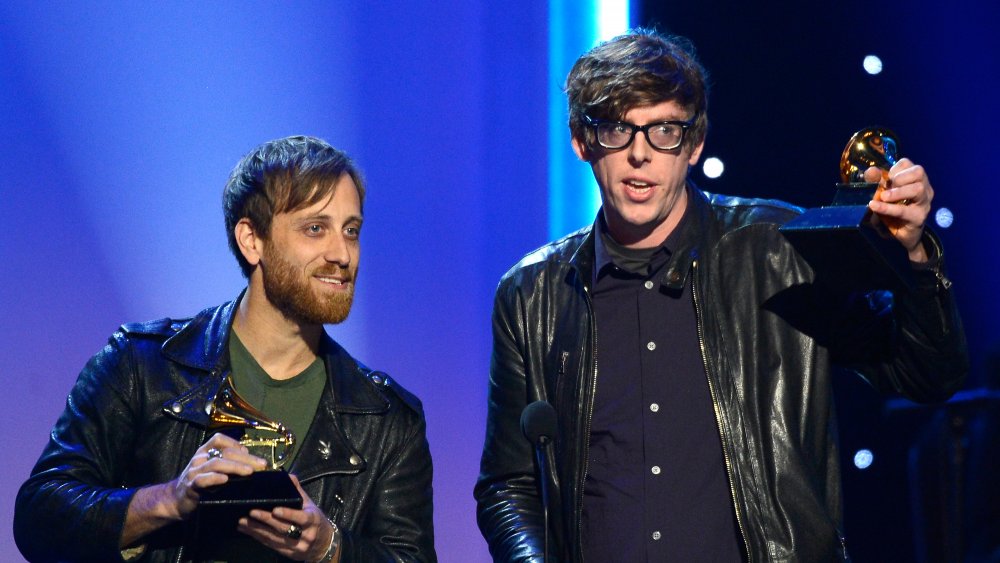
(872, 146)
(264, 437)
(842, 243)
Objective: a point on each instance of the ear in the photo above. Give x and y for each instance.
(696, 153)
(248, 241)
(581, 149)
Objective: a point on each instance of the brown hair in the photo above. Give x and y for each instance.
(640, 68)
(281, 176)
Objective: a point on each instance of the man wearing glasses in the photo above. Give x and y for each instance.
(686, 349)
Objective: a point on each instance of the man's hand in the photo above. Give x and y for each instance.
(156, 506)
(213, 463)
(903, 202)
(302, 535)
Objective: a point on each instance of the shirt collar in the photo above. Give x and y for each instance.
(676, 239)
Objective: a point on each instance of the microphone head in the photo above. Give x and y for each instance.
(538, 422)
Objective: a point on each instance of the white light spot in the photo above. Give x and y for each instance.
(872, 64)
(944, 218)
(863, 459)
(713, 167)
(612, 18)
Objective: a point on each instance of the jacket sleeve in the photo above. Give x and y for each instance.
(925, 357)
(400, 526)
(73, 506)
(509, 510)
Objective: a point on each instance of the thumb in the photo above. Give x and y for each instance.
(873, 174)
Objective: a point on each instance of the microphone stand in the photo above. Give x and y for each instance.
(539, 426)
(540, 447)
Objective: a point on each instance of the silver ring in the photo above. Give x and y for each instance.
(294, 532)
(214, 453)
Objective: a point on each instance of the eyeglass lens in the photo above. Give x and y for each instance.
(663, 136)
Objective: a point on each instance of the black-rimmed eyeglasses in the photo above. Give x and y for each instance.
(663, 135)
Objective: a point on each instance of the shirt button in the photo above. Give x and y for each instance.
(655, 469)
(651, 346)
(648, 284)
(654, 407)
(656, 535)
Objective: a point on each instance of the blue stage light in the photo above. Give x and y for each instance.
(863, 459)
(944, 217)
(574, 27)
(872, 64)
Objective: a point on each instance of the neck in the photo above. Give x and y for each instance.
(649, 235)
(282, 346)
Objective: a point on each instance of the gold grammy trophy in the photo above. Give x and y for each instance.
(844, 243)
(220, 507)
(265, 438)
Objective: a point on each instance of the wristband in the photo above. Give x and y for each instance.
(334, 544)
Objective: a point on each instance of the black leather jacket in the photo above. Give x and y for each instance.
(137, 414)
(768, 337)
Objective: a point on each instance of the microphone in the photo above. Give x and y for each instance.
(538, 424)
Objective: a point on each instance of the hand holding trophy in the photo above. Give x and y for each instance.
(845, 244)
(871, 147)
(220, 507)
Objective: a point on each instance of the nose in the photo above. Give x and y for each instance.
(339, 250)
(639, 151)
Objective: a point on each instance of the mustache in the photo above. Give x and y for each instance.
(347, 274)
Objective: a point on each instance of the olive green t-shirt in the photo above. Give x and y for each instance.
(292, 402)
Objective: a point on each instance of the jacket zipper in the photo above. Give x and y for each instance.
(590, 416)
(715, 407)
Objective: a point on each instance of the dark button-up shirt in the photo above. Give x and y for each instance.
(656, 489)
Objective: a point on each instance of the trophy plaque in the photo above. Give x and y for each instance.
(219, 508)
(846, 246)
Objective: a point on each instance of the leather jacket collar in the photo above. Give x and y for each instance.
(203, 343)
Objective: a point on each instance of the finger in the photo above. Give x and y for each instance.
(900, 217)
(243, 457)
(904, 195)
(287, 532)
(280, 518)
(223, 446)
(306, 501)
(886, 209)
(873, 175)
(277, 539)
(227, 462)
(208, 479)
(901, 165)
(911, 175)
(221, 441)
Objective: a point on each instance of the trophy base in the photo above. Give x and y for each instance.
(219, 508)
(844, 249)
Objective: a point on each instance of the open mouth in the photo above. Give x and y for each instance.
(638, 188)
(331, 281)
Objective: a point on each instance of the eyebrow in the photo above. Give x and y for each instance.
(657, 120)
(328, 219)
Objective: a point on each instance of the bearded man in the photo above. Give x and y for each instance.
(133, 452)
